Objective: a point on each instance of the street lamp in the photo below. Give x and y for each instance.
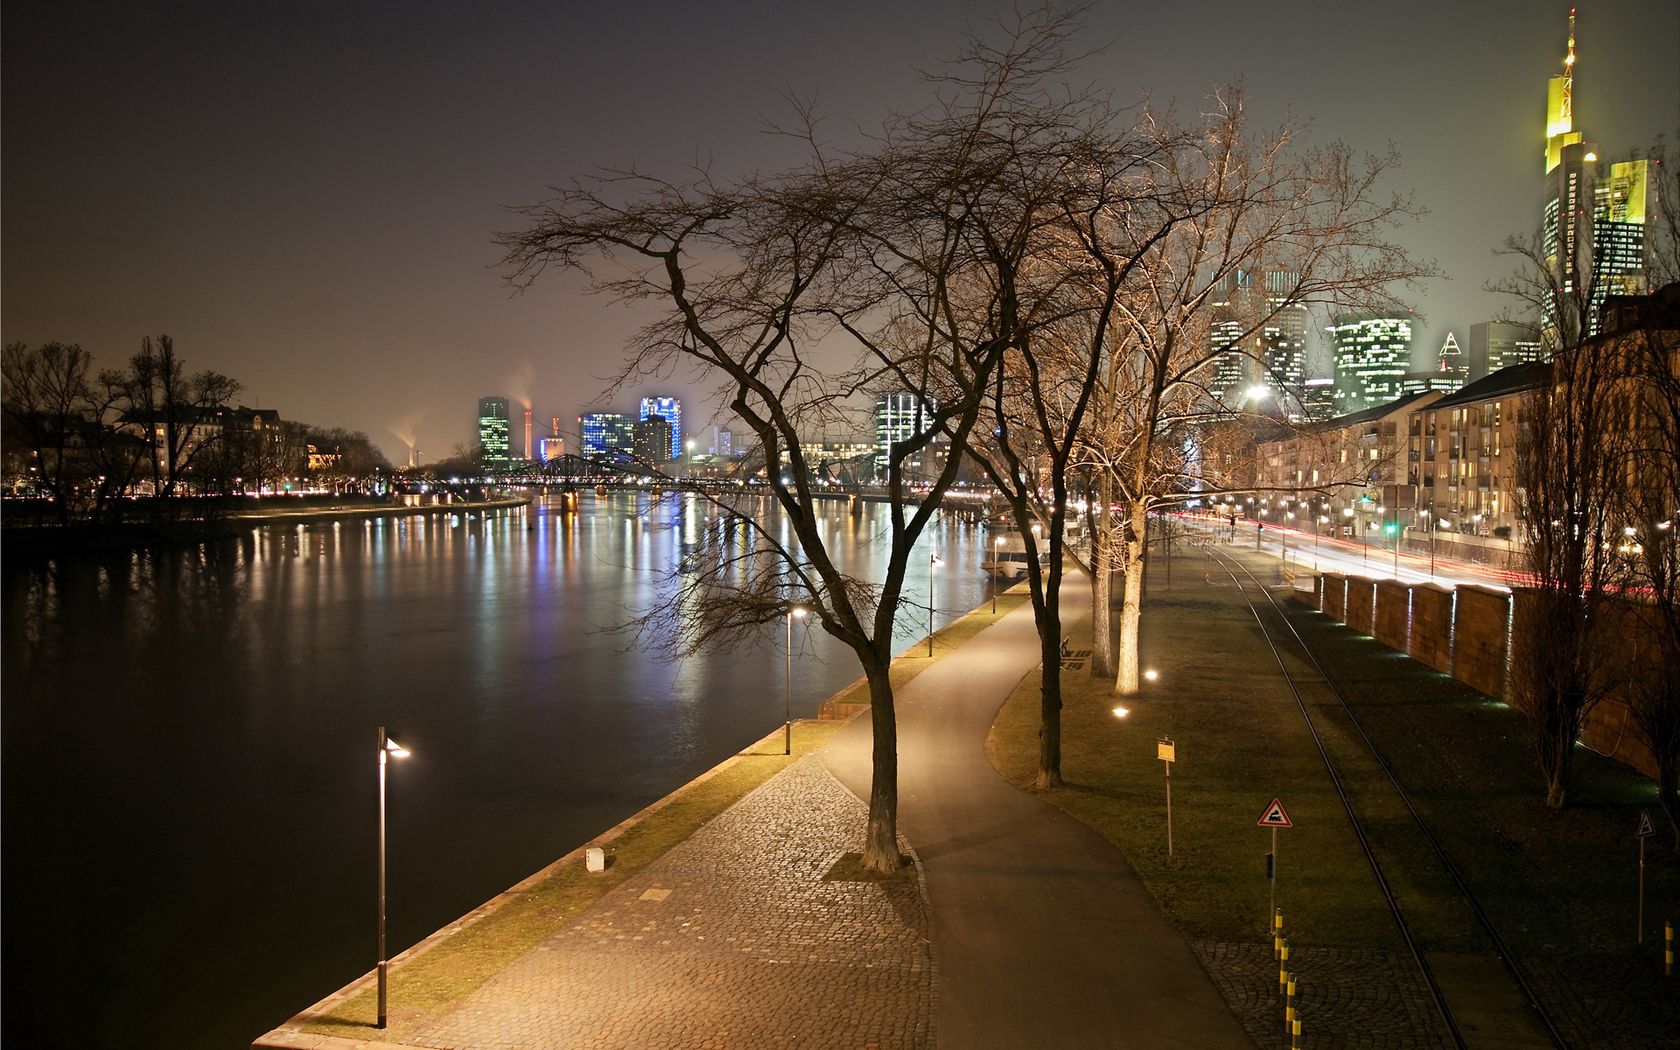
(392, 749)
(933, 562)
(997, 569)
(794, 612)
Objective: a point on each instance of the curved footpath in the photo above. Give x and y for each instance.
(1044, 935)
(1029, 929)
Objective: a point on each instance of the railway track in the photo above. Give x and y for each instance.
(1411, 868)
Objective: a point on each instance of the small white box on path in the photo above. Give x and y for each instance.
(595, 859)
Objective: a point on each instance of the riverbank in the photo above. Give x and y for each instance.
(26, 542)
(430, 981)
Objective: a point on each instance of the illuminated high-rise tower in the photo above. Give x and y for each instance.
(1373, 353)
(1593, 222)
(1259, 340)
(670, 410)
(493, 431)
(1560, 105)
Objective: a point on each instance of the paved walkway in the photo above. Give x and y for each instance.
(1045, 935)
(733, 939)
(1033, 931)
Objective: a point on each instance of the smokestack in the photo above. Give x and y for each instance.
(556, 425)
(527, 433)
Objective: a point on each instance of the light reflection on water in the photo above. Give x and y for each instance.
(188, 767)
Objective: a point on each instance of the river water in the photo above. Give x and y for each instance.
(189, 742)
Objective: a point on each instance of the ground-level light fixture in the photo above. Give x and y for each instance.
(1151, 675)
(1122, 712)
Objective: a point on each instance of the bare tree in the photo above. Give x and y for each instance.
(167, 404)
(911, 252)
(48, 396)
(1571, 467)
(1652, 508)
(62, 415)
(1250, 203)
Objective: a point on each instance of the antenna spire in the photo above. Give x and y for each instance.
(1568, 108)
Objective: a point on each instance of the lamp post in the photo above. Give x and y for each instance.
(997, 569)
(794, 612)
(392, 749)
(933, 562)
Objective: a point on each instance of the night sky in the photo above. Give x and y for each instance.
(303, 194)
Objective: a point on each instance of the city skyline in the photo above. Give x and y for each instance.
(306, 201)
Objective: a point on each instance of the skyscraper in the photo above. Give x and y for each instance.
(1233, 361)
(1451, 362)
(651, 438)
(1372, 352)
(1284, 341)
(1500, 344)
(1594, 214)
(605, 435)
(1259, 338)
(493, 431)
(899, 416)
(670, 410)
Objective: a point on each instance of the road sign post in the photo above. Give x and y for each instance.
(1273, 817)
(1645, 830)
(1167, 753)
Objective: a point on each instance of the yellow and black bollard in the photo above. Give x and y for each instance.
(1283, 967)
(1668, 949)
(1277, 933)
(1295, 1035)
(1289, 1006)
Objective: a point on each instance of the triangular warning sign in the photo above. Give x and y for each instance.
(1275, 817)
(1646, 829)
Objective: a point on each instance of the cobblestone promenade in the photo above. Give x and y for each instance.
(733, 939)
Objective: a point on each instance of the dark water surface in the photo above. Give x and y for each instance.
(189, 774)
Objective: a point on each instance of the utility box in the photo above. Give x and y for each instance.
(595, 858)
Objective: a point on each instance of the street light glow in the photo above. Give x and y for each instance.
(1121, 712)
(1151, 675)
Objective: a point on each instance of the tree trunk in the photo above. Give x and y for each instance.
(1557, 750)
(1050, 691)
(1131, 608)
(880, 843)
(1102, 568)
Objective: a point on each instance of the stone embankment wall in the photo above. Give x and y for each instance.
(1464, 632)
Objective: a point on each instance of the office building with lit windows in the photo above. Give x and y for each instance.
(899, 416)
(670, 410)
(493, 431)
(606, 435)
(651, 439)
(1499, 344)
(1373, 352)
(1259, 340)
(1593, 214)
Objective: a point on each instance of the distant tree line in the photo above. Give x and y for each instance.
(97, 447)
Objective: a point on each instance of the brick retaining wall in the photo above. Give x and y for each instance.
(1481, 625)
(1361, 593)
(1335, 596)
(1393, 615)
(1465, 633)
(1432, 611)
